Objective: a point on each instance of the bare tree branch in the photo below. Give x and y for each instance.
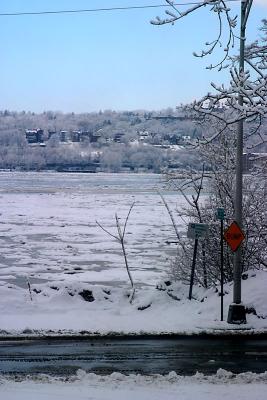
(109, 233)
(120, 238)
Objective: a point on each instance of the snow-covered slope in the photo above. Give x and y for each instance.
(74, 307)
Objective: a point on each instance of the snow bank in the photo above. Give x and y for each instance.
(77, 307)
(118, 386)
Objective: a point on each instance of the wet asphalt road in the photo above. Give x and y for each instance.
(185, 355)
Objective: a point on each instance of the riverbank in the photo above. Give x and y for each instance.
(62, 275)
(80, 309)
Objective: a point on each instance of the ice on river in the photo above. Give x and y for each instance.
(48, 227)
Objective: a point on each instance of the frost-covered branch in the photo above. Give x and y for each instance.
(247, 84)
(250, 85)
(222, 11)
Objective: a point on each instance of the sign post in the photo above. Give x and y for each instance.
(234, 237)
(220, 215)
(195, 231)
(193, 270)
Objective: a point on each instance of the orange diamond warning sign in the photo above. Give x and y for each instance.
(234, 236)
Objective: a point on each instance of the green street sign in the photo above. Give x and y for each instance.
(197, 231)
(220, 214)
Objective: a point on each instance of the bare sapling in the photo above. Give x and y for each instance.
(121, 239)
(170, 215)
(29, 288)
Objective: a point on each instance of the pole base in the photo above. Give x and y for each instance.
(237, 314)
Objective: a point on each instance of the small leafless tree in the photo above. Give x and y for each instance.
(121, 239)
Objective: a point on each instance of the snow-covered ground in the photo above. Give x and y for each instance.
(77, 279)
(72, 307)
(223, 385)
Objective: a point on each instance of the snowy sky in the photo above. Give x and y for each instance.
(107, 60)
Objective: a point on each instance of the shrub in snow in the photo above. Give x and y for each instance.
(218, 178)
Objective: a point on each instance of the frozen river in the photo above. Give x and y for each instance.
(48, 227)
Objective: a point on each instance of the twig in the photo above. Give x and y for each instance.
(29, 287)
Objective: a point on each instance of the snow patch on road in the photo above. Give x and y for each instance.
(84, 386)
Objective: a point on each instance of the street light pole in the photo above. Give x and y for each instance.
(236, 313)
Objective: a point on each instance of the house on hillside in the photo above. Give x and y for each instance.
(34, 135)
(93, 136)
(83, 136)
(118, 137)
(143, 136)
(63, 136)
(172, 138)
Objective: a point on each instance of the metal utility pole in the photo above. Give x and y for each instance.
(222, 274)
(236, 314)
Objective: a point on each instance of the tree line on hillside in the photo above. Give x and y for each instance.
(154, 129)
(144, 140)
